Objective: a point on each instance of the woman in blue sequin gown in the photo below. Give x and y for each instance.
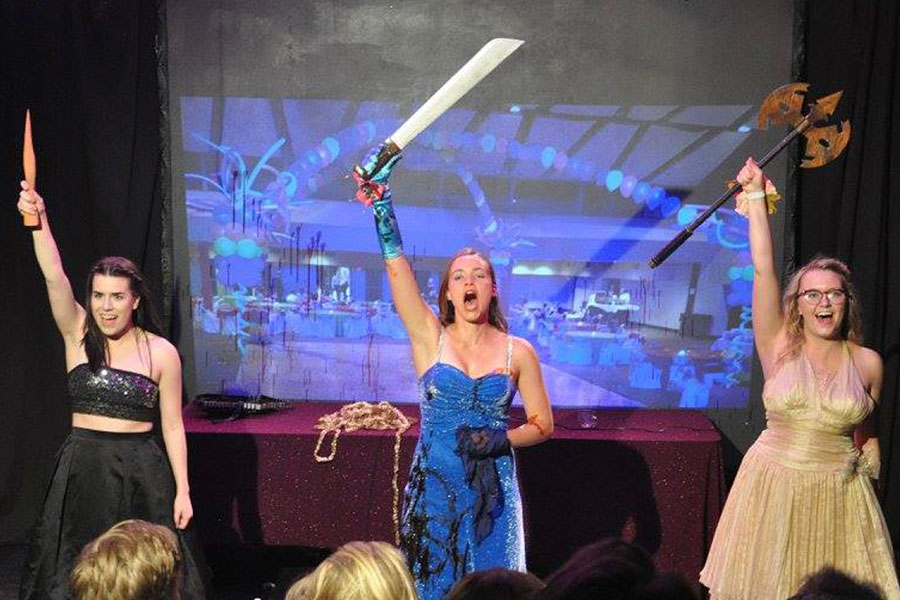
(462, 508)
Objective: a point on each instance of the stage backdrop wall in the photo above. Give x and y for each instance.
(569, 166)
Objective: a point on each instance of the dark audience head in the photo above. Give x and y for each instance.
(831, 584)
(495, 584)
(611, 569)
(665, 586)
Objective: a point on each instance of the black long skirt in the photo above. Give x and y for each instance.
(101, 479)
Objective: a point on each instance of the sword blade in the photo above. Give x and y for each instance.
(485, 60)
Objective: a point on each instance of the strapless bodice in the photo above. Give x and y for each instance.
(113, 393)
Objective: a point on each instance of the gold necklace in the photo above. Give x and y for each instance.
(364, 415)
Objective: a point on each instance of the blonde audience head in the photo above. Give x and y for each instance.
(358, 571)
(133, 560)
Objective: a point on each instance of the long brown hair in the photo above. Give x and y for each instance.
(144, 316)
(448, 313)
(851, 324)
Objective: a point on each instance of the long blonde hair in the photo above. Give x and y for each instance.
(134, 559)
(851, 325)
(358, 571)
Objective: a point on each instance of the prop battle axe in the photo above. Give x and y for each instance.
(823, 144)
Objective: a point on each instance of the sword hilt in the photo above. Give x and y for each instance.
(388, 151)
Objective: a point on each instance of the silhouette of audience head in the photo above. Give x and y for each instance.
(831, 584)
(610, 568)
(665, 586)
(133, 560)
(495, 584)
(358, 571)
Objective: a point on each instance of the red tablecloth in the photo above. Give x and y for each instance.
(652, 476)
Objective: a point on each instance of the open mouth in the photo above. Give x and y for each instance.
(470, 299)
(825, 317)
(107, 319)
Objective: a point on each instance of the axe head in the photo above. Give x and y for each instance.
(783, 105)
(823, 108)
(824, 144)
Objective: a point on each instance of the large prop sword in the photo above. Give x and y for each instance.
(485, 60)
(784, 105)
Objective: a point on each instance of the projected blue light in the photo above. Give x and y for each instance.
(628, 185)
(457, 173)
(488, 143)
(547, 156)
(657, 195)
(686, 214)
(561, 160)
(670, 206)
(641, 193)
(614, 180)
(224, 246)
(333, 146)
(744, 129)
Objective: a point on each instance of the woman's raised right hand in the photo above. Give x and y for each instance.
(751, 177)
(30, 202)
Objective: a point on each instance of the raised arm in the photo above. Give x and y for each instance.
(68, 314)
(421, 324)
(767, 316)
(173, 426)
(539, 426)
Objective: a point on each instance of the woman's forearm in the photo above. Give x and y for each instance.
(176, 448)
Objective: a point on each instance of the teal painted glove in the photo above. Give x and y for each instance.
(375, 192)
(386, 226)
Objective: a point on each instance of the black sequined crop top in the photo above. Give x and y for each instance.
(113, 393)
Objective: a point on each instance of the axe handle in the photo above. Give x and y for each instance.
(685, 233)
(29, 166)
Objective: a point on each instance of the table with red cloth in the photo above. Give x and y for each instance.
(652, 476)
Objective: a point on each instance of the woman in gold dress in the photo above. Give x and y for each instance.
(803, 497)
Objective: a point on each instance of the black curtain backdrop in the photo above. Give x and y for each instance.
(88, 71)
(851, 208)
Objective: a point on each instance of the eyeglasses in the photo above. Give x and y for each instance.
(836, 296)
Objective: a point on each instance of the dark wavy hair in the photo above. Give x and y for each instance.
(448, 313)
(610, 568)
(96, 346)
(495, 584)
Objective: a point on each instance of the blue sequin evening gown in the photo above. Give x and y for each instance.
(438, 534)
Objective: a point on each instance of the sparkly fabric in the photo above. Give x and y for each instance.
(799, 502)
(438, 529)
(113, 393)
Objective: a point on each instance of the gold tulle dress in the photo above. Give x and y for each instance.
(801, 500)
